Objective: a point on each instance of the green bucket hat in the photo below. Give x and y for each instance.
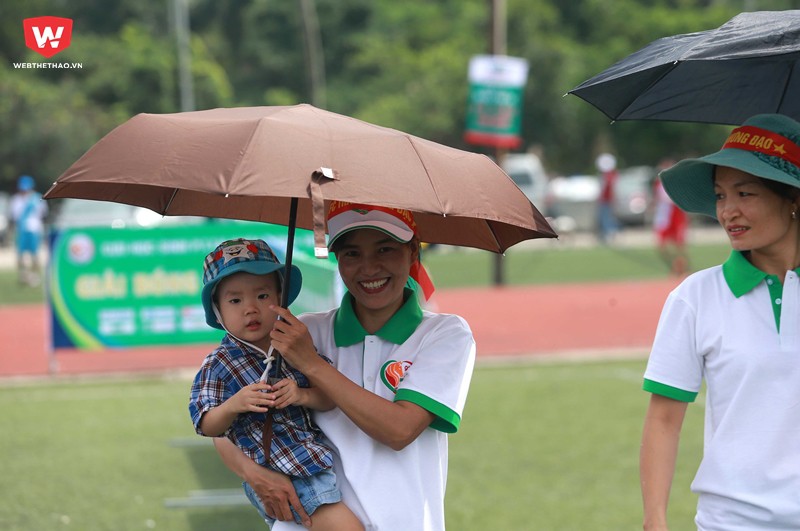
(766, 146)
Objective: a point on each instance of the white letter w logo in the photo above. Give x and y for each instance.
(41, 30)
(47, 35)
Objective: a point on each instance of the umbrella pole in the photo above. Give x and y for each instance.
(288, 270)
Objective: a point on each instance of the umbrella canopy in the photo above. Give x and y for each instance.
(745, 67)
(249, 163)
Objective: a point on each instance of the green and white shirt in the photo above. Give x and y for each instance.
(739, 329)
(420, 357)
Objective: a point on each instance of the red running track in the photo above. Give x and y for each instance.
(554, 319)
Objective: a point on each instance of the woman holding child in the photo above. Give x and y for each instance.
(398, 379)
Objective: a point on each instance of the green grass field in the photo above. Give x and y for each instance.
(12, 292)
(542, 446)
(548, 264)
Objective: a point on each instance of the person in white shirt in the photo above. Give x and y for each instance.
(399, 378)
(736, 326)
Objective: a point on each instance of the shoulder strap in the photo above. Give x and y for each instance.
(29, 206)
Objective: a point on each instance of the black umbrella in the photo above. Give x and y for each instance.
(745, 67)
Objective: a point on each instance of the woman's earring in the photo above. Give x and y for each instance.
(794, 214)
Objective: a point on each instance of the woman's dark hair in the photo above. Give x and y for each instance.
(787, 191)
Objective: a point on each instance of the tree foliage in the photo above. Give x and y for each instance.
(397, 64)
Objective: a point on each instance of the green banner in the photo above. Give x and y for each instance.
(141, 286)
(494, 107)
(494, 110)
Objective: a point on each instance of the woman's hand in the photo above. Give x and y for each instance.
(277, 494)
(273, 488)
(291, 338)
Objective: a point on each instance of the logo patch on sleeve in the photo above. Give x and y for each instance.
(393, 372)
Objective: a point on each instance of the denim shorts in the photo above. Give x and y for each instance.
(313, 491)
(28, 242)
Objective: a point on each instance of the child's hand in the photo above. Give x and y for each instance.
(286, 393)
(254, 397)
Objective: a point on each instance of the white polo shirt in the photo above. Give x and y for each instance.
(737, 327)
(419, 357)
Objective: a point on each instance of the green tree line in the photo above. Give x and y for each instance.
(401, 64)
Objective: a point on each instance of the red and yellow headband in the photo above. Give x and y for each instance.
(764, 141)
(397, 222)
(405, 216)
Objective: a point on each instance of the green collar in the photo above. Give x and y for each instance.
(740, 275)
(347, 330)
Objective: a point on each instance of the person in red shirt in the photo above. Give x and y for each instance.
(670, 225)
(607, 221)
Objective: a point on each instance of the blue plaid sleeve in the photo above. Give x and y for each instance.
(209, 389)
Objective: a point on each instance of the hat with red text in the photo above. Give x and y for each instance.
(242, 256)
(344, 217)
(766, 145)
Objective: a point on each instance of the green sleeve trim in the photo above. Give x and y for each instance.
(446, 421)
(668, 391)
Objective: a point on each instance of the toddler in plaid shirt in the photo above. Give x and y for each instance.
(230, 396)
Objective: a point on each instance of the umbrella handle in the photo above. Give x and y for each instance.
(287, 275)
(289, 248)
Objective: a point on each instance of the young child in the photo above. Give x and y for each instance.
(230, 396)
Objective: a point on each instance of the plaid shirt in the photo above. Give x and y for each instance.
(296, 448)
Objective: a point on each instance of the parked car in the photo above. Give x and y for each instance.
(526, 170)
(86, 213)
(572, 202)
(633, 195)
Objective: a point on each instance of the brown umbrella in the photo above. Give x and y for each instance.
(282, 164)
(248, 163)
